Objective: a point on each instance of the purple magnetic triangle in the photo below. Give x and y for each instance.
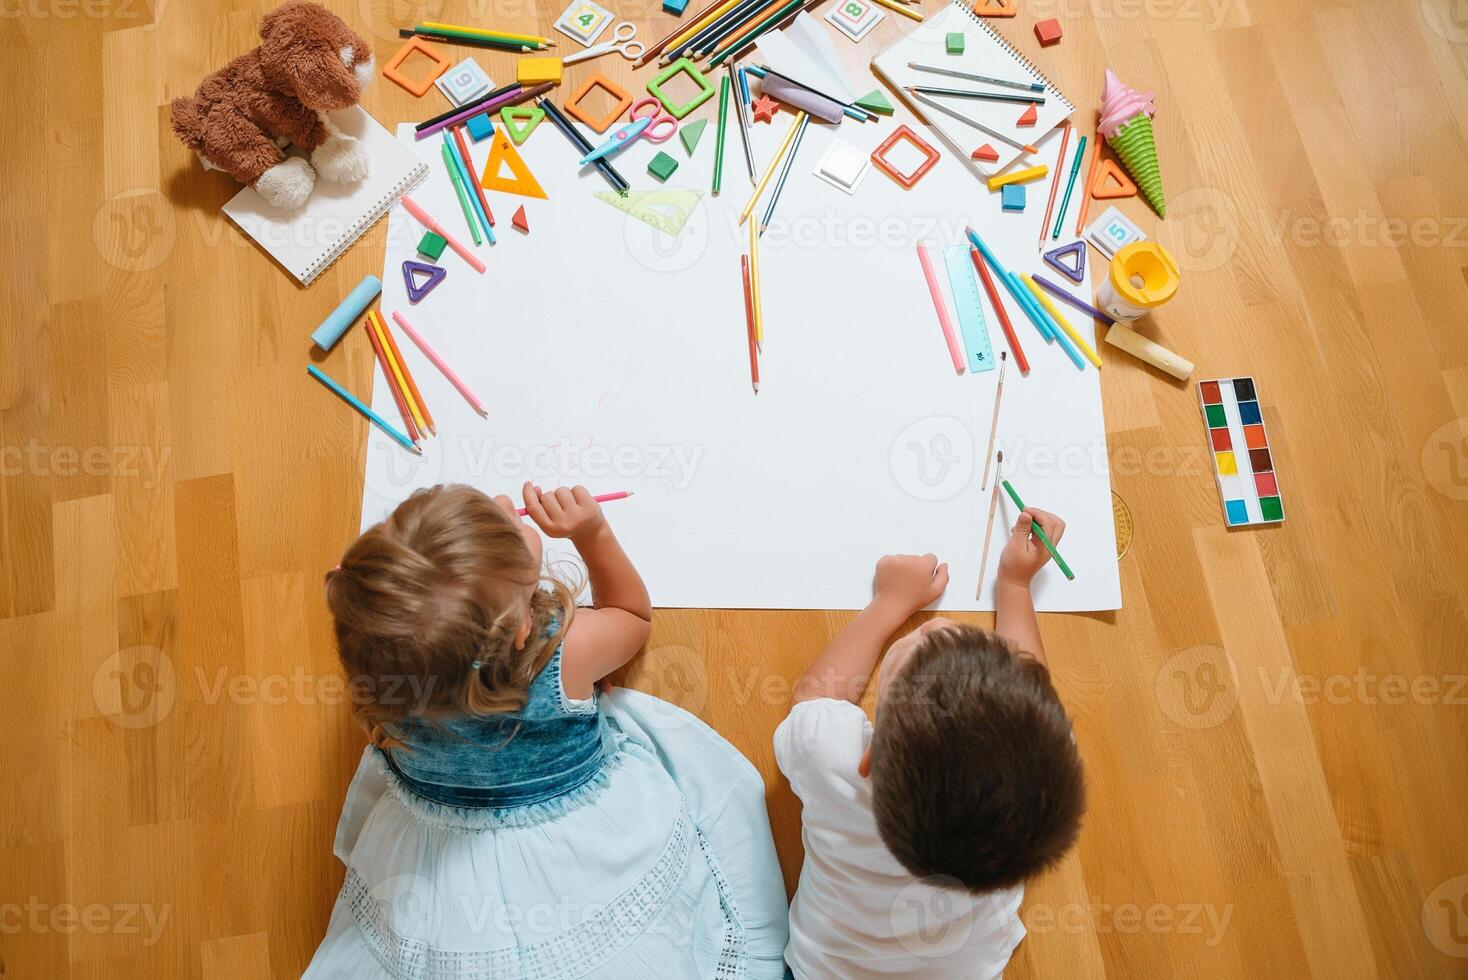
(418, 290)
(1076, 274)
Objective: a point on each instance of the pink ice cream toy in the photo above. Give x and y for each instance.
(1126, 122)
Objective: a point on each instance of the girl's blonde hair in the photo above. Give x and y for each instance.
(427, 606)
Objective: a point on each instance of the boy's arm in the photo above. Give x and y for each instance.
(903, 585)
(610, 633)
(1023, 556)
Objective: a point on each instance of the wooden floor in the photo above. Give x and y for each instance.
(1275, 726)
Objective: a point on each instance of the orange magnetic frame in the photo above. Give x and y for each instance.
(879, 156)
(611, 88)
(440, 65)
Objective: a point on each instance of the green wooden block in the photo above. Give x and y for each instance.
(690, 132)
(875, 101)
(662, 166)
(431, 245)
(954, 42)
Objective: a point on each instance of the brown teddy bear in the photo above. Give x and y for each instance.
(309, 62)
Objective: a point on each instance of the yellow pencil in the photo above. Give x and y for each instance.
(759, 317)
(397, 372)
(904, 11)
(1055, 314)
(774, 164)
(701, 23)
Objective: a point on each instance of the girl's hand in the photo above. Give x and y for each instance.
(1023, 554)
(564, 513)
(532, 540)
(907, 583)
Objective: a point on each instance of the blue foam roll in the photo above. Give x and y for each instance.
(346, 313)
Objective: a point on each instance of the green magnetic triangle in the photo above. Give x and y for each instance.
(690, 133)
(527, 118)
(666, 210)
(875, 101)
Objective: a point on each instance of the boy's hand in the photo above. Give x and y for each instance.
(907, 583)
(564, 513)
(1023, 554)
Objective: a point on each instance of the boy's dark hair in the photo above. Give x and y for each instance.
(975, 774)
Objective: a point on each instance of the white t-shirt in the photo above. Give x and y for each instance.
(857, 913)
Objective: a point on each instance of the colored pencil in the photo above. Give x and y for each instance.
(600, 498)
(478, 191)
(1027, 307)
(467, 178)
(618, 182)
(784, 172)
(399, 398)
(1039, 532)
(754, 296)
(1085, 208)
(465, 40)
(955, 73)
(366, 412)
(532, 39)
(459, 189)
(431, 223)
(994, 423)
(1056, 333)
(709, 34)
(704, 16)
(989, 529)
(999, 311)
(744, 19)
(743, 74)
(944, 321)
(407, 372)
(1060, 319)
(741, 111)
(719, 138)
(759, 187)
(514, 97)
(736, 43)
(749, 325)
(904, 11)
(441, 364)
(471, 104)
(1070, 184)
(1079, 304)
(991, 133)
(1055, 182)
(964, 93)
(401, 376)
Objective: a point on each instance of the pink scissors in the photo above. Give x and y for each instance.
(657, 118)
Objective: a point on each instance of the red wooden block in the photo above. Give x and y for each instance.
(1048, 31)
(987, 153)
(1029, 118)
(519, 220)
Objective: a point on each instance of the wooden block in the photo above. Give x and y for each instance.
(533, 71)
(1018, 176)
(479, 126)
(662, 166)
(1048, 31)
(953, 42)
(1029, 117)
(431, 245)
(1013, 197)
(986, 153)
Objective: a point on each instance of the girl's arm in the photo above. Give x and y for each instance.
(609, 634)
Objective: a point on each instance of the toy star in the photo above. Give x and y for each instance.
(764, 109)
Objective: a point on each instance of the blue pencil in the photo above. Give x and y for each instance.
(1025, 301)
(351, 400)
(467, 176)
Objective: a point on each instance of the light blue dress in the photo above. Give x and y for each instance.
(617, 838)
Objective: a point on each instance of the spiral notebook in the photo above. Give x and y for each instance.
(985, 53)
(307, 241)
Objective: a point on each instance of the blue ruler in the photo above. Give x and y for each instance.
(970, 308)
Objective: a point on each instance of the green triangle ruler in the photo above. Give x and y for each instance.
(970, 308)
(667, 210)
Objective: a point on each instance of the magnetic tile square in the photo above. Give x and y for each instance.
(464, 82)
(854, 18)
(843, 166)
(583, 20)
(1112, 231)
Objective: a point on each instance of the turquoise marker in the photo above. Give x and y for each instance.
(470, 215)
(1025, 301)
(465, 175)
(351, 400)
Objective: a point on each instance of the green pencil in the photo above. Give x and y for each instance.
(719, 140)
(1039, 531)
(453, 170)
(1070, 184)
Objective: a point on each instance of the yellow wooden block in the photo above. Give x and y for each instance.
(1018, 177)
(533, 71)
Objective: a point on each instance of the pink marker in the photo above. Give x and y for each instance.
(600, 498)
(441, 364)
(427, 221)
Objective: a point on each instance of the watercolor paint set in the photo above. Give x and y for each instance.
(1243, 460)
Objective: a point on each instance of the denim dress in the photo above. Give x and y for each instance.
(615, 837)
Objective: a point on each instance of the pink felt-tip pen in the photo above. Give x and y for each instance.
(600, 498)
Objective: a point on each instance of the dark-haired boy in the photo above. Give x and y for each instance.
(919, 833)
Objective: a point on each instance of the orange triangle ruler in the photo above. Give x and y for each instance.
(996, 8)
(502, 154)
(1111, 182)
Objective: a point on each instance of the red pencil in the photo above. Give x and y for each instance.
(458, 132)
(1055, 181)
(392, 384)
(749, 322)
(1019, 352)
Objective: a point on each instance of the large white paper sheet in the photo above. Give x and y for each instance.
(612, 355)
